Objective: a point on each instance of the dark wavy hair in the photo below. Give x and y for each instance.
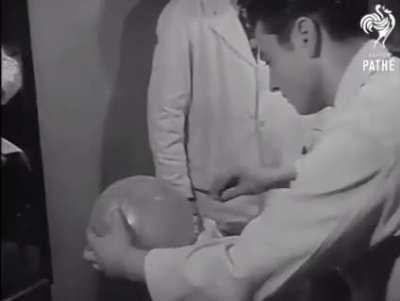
(341, 18)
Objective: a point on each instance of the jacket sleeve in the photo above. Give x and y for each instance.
(298, 223)
(169, 97)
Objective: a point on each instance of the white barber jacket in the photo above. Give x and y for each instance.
(209, 106)
(351, 172)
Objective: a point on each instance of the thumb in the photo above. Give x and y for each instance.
(218, 186)
(224, 181)
(232, 193)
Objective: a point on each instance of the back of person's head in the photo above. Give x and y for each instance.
(340, 18)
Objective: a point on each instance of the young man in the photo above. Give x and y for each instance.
(345, 194)
(209, 107)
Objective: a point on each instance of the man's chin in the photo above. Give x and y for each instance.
(308, 108)
(299, 106)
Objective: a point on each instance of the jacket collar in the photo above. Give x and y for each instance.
(355, 77)
(225, 23)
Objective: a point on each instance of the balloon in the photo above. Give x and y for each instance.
(155, 214)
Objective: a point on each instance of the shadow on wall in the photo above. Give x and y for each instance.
(125, 143)
(126, 148)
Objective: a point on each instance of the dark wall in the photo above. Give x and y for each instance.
(24, 218)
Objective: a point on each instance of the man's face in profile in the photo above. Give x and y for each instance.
(292, 71)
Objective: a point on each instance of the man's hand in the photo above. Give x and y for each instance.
(114, 253)
(245, 181)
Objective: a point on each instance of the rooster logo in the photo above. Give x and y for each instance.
(381, 21)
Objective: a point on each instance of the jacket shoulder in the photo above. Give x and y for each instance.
(197, 8)
(344, 158)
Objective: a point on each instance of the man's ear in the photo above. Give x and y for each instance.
(305, 37)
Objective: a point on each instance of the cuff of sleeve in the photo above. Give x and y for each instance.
(178, 179)
(164, 274)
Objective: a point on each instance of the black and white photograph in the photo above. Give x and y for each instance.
(200, 150)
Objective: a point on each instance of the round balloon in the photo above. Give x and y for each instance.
(156, 215)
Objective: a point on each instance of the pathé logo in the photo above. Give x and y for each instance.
(381, 21)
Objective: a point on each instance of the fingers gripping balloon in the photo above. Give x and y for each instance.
(156, 215)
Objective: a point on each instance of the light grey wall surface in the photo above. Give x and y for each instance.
(92, 62)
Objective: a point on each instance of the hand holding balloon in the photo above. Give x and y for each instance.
(131, 217)
(110, 253)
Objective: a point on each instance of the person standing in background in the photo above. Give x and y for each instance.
(210, 108)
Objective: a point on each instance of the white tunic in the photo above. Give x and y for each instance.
(345, 199)
(209, 106)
